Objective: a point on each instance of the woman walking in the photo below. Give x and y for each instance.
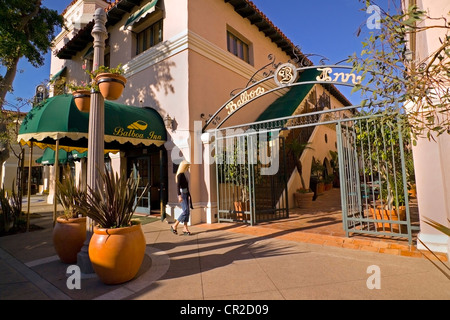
(184, 197)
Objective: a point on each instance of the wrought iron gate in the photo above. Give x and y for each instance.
(371, 152)
(374, 176)
(251, 177)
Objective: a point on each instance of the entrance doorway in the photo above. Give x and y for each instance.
(375, 171)
(370, 152)
(151, 171)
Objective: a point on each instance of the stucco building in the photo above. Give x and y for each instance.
(184, 59)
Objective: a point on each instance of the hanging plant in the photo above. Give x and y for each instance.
(110, 81)
(82, 95)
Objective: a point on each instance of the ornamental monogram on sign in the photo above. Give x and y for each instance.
(286, 74)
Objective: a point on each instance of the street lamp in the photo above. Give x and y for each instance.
(96, 140)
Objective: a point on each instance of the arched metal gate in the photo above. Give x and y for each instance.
(375, 163)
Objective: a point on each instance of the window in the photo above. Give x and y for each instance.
(149, 37)
(238, 47)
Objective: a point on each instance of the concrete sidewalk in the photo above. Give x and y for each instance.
(219, 263)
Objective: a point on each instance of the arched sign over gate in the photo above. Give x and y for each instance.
(286, 76)
(254, 164)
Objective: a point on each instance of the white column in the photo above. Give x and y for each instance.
(210, 177)
(432, 171)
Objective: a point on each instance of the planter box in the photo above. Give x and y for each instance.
(385, 214)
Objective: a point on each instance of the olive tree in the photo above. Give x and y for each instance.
(392, 72)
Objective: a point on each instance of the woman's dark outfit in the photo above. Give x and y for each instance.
(183, 190)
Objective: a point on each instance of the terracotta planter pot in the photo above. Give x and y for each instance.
(303, 199)
(117, 254)
(82, 100)
(412, 192)
(384, 214)
(111, 85)
(320, 188)
(68, 238)
(239, 208)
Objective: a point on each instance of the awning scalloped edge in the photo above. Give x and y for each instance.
(26, 139)
(40, 136)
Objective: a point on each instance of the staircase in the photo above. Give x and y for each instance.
(270, 198)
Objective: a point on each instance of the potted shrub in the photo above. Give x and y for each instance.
(235, 175)
(391, 206)
(303, 198)
(81, 95)
(10, 210)
(110, 81)
(117, 246)
(69, 232)
(384, 165)
(328, 182)
(316, 180)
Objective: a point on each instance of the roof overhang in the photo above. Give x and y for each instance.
(115, 12)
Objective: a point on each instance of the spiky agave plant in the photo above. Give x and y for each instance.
(113, 205)
(68, 194)
(445, 269)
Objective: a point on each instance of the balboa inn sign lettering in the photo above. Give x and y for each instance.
(136, 130)
(287, 74)
(244, 98)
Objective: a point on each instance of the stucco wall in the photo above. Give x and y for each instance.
(189, 74)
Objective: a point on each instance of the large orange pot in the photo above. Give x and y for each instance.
(68, 238)
(111, 85)
(117, 254)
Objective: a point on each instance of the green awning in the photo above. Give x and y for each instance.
(78, 155)
(286, 105)
(141, 13)
(59, 118)
(57, 75)
(48, 157)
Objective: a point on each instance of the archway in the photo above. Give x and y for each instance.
(373, 183)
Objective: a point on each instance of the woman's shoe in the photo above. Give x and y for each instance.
(173, 230)
(187, 233)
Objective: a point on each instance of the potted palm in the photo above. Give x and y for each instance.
(69, 232)
(117, 246)
(110, 81)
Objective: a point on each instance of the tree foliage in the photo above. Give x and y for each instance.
(396, 74)
(26, 30)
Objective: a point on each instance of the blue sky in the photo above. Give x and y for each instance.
(324, 27)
